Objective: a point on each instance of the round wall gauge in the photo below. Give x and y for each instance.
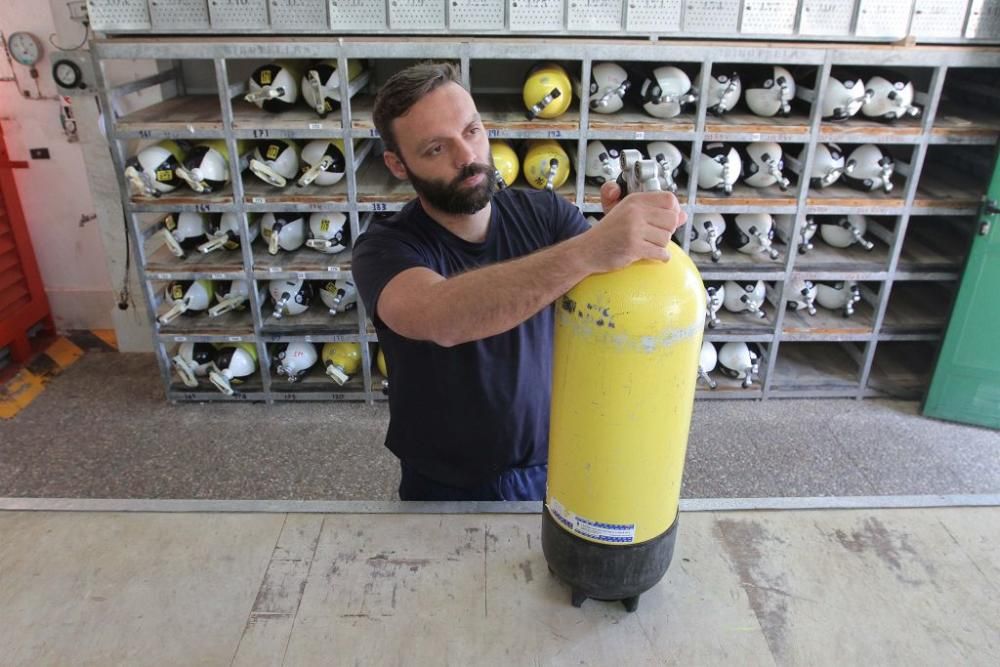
(67, 74)
(25, 48)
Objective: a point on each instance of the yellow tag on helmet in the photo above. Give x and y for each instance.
(170, 223)
(273, 151)
(266, 77)
(324, 224)
(177, 293)
(164, 175)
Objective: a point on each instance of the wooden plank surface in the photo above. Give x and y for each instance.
(221, 261)
(256, 190)
(247, 116)
(315, 321)
(830, 323)
(200, 112)
(233, 323)
(814, 365)
(301, 260)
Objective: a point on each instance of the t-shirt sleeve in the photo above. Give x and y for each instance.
(377, 259)
(567, 220)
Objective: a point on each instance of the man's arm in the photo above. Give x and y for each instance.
(421, 304)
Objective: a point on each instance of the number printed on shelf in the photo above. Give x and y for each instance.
(288, 396)
(373, 133)
(308, 338)
(258, 200)
(554, 134)
(145, 134)
(493, 132)
(274, 269)
(187, 396)
(236, 339)
(378, 207)
(180, 339)
(218, 276)
(315, 126)
(202, 208)
(639, 136)
(161, 276)
(260, 133)
(300, 275)
(755, 136)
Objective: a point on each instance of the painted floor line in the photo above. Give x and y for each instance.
(398, 507)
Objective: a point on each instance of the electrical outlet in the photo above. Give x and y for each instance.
(78, 11)
(39, 153)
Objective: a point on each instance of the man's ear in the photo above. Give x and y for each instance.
(394, 164)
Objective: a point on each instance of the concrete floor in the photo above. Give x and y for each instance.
(102, 429)
(860, 587)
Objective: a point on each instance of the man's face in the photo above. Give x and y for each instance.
(444, 152)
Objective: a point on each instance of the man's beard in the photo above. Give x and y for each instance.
(454, 198)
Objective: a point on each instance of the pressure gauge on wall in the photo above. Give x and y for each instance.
(67, 74)
(24, 48)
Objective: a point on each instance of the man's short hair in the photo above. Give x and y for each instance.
(404, 89)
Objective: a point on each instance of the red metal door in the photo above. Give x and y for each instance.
(22, 297)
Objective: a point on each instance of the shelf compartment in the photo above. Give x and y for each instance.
(631, 121)
(819, 366)
(252, 389)
(730, 388)
(918, 307)
(316, 197)
(967, 126)
(183, 199)
(177, 117)
(744, 324)
(316, 321)
(746, 197)
(219, 265)
(743, 126)
(902, 369)
(827, 262)
(935, 244)
(840, 197)
(953, 180)
(315, 380)
(234, 326)
(799, 325)
(304, 260)
(503, 116)
(734, 263)
(252, 122)
(861, 130)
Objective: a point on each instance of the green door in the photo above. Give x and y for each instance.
(966, 383)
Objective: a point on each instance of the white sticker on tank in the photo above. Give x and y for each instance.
(608, 533)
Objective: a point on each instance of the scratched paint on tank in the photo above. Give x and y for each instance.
(624, 368)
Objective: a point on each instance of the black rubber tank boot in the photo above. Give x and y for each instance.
(606, 572)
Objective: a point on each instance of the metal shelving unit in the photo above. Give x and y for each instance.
(844, 353)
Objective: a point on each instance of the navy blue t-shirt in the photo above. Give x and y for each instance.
(463, 414)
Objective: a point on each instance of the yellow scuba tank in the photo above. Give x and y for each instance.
(547, 91)
(380, 363)
(342, 360)
(546, 164)
(625, 363)
(505, 162)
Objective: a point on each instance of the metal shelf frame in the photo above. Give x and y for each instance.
(359, 203)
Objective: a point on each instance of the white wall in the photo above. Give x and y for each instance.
(81, 266)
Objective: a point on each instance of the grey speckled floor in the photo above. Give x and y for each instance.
(104, 430)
